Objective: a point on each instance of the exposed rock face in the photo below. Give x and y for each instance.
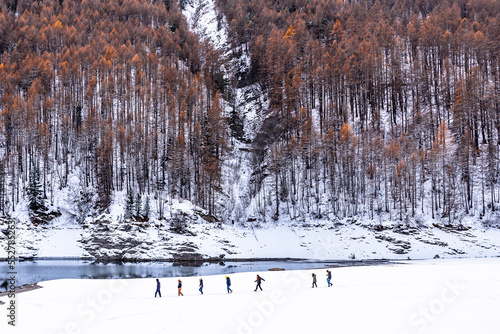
(135, 241)
(43, 217)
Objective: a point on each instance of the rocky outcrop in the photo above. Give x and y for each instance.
(109, 241)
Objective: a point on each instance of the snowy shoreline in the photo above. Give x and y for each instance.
(109, 238)
(335, 263)
(217, 260)
(114, 241)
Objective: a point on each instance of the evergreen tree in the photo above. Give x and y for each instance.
(137, 207)
(35, 192)
(129, 204)
(146, 209)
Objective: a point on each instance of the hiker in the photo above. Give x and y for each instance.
(329, 278)
(179, 288)
(314, 280)
(157, 288)
(201, 285)
(228, 283)
(259, 281)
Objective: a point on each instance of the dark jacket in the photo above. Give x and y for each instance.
(179, 285)
(201, 283)
(259, 279)
(329, 275)
(228, 281)
(158, 285)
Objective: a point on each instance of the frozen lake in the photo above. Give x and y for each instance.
(434, 297)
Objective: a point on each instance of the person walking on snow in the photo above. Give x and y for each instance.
(228, 283)
(314, 280)
(179, 288)
(157, 288)
(259, 281)
(329, 277)
(201, 285)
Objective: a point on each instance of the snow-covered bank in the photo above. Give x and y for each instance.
(321, 241)
(196, 239)
(437, 296)
(187, 232)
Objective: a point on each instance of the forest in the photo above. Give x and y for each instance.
(385, 108)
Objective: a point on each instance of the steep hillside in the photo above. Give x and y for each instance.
(373, 123)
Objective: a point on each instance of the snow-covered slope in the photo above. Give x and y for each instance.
(459, 296)
(187, 235)
(205, 21)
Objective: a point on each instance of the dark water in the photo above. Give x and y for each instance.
(29, 272)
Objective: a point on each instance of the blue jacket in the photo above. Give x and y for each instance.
(157, 285)
(179, 285)
(228, 281)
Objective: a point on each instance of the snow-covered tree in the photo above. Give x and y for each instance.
(146, 211)
(34, 191)
(84, 201)
(138, 206)
(129, 204)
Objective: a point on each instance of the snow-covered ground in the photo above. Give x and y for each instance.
(435, 296)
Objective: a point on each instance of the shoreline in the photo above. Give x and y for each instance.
(281, 242)
(249, 259)
(21, 289)
(200, 261)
